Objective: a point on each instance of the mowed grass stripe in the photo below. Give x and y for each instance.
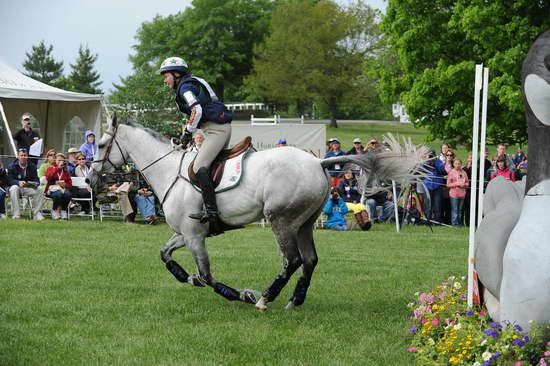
(83, 293)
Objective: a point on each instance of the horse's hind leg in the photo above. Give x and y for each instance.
(308, 254)
(287, 239)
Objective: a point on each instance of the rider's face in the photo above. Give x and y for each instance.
(169, 79)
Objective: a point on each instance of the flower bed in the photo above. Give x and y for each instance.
(446, 332)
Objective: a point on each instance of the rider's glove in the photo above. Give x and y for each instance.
(186, 138)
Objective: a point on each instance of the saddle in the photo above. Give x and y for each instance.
(217, 167)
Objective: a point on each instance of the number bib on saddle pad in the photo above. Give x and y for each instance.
(225, 175)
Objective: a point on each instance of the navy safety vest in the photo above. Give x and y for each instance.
(212, 109)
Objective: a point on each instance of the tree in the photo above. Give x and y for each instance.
(315, 52)
(40, 65)
(438, 43)
(83, 78)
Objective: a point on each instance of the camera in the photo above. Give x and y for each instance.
(334, 195)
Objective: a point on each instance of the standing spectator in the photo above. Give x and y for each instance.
(25, 136)
(72, 162)
(445, 198)
(59, 187)
(89, 147)
(23, 181)
(503, 170)
(443, 154)
(518, 157)
(3, 190)
(335, 209)
(434, 183)
(82, 170)
(457, 182)
(373, 144)
(501, 151)
(335, 170)
(482, 181)
(282, 142)
(357, 148)
(522, 168)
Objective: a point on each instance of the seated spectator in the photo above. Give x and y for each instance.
(282, 142)
(49, 159)
(335, 170)
(522, 168)
(72, 162)
(502, 169)
(82, 170)
(335, 209)
(373, 144)
(118, 186)
(357, 148)
(381, 198)
(518, 157)
(59, 187)
(89, 147)
(23, 181)
(457, 182)
(198, 139)
(3, 190)
(145, 201)
(349, 192)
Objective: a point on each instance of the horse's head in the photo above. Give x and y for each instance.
(109, 155)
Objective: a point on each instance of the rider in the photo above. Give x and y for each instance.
(195, 97)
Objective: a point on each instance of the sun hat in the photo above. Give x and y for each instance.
(357, 140)
(73, 150)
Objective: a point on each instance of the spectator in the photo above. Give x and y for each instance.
(335, 170)
(82, 170)
(281, 142)
(445, 198)
(119, 186)
(501, 151)
(49, 160)
(349, 192)
(503, 170)
(3, 190)
(59, 187)
(23, 181)
(381, 198)
(518, 157)
(457, 182)
(522, 168)
(89, 147)
(145, 201)
(72, 162)
(449, 159)
(357, 148)
(433, 183)
(443, 154)
(25, 136)
(373, 144)
(335, 209)
(198, 139)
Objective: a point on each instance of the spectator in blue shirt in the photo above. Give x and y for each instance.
(335, 209)
(434, 183)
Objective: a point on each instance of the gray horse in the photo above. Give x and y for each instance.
(285, 185)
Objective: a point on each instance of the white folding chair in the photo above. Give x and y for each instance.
(80, 182)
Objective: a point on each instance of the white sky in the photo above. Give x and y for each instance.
(107, 26)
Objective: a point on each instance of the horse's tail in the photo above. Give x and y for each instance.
(402, 163)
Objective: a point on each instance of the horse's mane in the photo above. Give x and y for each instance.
(158, 136)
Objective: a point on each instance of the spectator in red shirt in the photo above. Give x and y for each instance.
(59, 187)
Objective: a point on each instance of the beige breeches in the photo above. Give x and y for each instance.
(216, 138)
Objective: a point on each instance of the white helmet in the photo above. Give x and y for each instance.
(174, 64)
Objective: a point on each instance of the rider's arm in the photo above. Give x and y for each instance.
(196, 110)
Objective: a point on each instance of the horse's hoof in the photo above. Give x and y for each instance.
(262, 308)
(261, 305)
(289, 306)
(249, 296)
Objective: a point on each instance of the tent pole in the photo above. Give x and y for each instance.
(45, 140)
(8, 130)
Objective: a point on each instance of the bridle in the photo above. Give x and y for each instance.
(108, 150)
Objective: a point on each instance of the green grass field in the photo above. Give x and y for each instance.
(83, 293)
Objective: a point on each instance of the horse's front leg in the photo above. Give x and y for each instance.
(200, 255)
(175, 242)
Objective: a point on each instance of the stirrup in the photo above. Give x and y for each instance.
(202, 217)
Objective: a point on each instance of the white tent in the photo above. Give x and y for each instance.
(52, 107)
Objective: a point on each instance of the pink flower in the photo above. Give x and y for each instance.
(435, 321)
(547, 353)
(548, 344)
(542, 362)
(426, 298)
(482, 312)
(412, 349)
(517, 363)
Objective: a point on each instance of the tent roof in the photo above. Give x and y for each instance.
(15, 85)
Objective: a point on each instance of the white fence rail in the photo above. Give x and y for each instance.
(276, 119)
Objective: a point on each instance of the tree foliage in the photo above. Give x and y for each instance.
(83, 78)
(437, 44)
(40, 65)
(316, 52)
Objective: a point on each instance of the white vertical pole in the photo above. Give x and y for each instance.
(395, 207)
(8, 130)
(475, 146)
(482, 143)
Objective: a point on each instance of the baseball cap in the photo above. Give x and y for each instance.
(357, 140)
(25, 116)
(334, 139)
(73, 150)
(282, 141)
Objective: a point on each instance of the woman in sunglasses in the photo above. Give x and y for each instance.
(82, 170)
(49, 160)
(59, 187)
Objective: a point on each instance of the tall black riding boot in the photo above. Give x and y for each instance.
(210, 213)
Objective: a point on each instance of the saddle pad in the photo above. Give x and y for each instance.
(231, 177)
